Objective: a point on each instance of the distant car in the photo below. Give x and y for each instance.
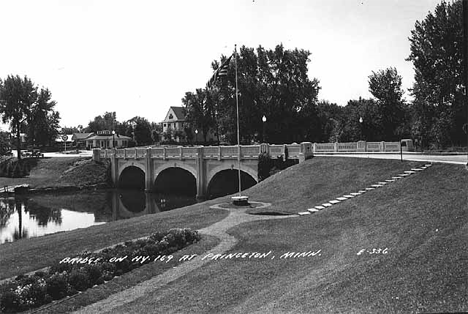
(34, 153)
(37, 154)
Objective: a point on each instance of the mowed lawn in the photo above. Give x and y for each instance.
(420, 222)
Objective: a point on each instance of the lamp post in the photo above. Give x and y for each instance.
(196, 136)
(264, 123)
(133, 124)
(113, 139)
(361, 121)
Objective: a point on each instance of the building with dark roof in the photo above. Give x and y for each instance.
(174, 121)
(107, 141)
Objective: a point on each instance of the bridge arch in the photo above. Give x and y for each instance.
(182, 165)
(132, 175)
(175, 177)
(223, 180)
(253, 173)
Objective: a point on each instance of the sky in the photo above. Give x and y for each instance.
(140, 57)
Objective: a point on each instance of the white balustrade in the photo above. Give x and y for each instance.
(250, 151)
(172, 152)
(210, 152)
(373, 146)
(347, 147)
(276, 151)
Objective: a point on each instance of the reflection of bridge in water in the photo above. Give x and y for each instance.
(193, 169)
(133, 203)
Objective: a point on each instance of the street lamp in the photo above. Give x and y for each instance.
(264, 123)
(133, 125)
(361, 120)
(196, 136)
(113, 139)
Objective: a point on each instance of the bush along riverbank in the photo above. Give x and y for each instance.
(71, 275)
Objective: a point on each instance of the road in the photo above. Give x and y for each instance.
(81, 153)
(451, 159)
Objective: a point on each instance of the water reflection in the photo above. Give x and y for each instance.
(36, 215)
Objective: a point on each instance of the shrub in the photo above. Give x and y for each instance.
(57, 286)
(10, 302)
(34, 293)
(79, 280)
(265, 165)
(64, 279)
(94, 273)
(60, 268)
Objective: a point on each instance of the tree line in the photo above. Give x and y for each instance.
(275, 84)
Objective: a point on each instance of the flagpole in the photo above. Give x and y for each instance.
(238, 132)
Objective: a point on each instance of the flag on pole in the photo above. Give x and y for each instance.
(221, 71)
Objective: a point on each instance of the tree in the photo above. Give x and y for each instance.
(101, 123)
(141, 131)
(199, 112)
(437, 55)
(156, 131)
(70, 129)
(17, 97)
(385, 86)
(328, 115)
(271, 83)
(43, 121)
(4, 143)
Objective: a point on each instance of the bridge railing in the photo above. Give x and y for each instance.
(211, 152)
(324, 147)
(347, 147)
(156, 152)
(276, 151)
(294, 151)
(250, 151)
(361, 146)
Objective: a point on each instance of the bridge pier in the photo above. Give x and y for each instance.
(149, 171)
(201, 178)
(114, 169)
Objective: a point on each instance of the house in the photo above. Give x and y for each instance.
(175, 122)
(107, 139)
(79, 139)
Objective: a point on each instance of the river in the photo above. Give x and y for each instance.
(36, 215)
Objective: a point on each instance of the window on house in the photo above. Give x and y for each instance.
(171, 116)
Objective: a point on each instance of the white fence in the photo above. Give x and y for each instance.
(361, 147)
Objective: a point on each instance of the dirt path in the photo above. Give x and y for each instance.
(236, 217)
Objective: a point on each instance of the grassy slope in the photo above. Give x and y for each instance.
(421, 220)
(63, 171)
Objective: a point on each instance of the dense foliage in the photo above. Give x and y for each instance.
(271, 83)
(437, 47)
(30, 110)
(69, 276)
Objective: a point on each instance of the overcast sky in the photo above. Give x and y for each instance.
(140, 57)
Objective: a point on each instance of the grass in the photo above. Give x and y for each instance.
(61, 172)
(420, 219)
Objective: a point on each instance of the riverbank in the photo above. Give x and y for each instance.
(62, 173)
(397, 248)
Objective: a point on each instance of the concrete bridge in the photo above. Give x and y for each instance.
(200, 165)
